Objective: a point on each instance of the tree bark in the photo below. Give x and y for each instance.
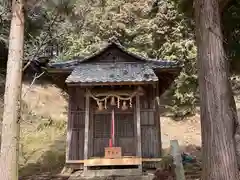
(218, 112)
(12, 96)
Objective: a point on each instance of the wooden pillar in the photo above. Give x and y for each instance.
(86, 128)
(158, 123)
(68, 142)
(138, 115)
(69, 127)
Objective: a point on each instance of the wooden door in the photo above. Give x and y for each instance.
(124, 132)
(101, 133)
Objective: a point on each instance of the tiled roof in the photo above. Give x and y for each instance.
(118, 72)
(69, 65)
(76, 62)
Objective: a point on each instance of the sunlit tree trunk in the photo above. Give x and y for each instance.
(11, 114)
(218, 111)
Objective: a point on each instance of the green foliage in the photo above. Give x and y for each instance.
(4, 20)
(152, 29)
(231, 24)
(144, 27)
(41, 20)
(159, 29)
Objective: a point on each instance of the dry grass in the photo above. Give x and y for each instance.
(42, 130)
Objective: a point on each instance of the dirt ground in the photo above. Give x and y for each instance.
(187, 132)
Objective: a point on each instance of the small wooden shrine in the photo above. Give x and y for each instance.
(113, 113)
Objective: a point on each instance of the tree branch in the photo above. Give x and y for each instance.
(43, 42)
(33, 81)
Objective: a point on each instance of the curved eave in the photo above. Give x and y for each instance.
(58, 70)
(65, 65)
(58, 76)
(173, 70)
(166, 77)
(155, 64)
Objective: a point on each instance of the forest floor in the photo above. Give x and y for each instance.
(43, 134)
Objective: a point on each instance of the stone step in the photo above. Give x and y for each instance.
(82, 176)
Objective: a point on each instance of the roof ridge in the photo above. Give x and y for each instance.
(113, 39)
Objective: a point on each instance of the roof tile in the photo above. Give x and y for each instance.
(118, 72)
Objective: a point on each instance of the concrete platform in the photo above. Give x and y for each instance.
(117, 174)
(112, 172)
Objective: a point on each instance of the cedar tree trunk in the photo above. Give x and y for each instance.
(12, 96)
(218, 111)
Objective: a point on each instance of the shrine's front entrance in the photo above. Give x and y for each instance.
(113, 121)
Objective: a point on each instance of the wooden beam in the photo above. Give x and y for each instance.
(109, 83)
(75, 162)
(99, 93)
(125, 158)
(138, 116)
(151, 159)
(112, 162)
(86, 129)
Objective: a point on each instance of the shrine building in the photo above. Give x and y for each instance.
(113, 110)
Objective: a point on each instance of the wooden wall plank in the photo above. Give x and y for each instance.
(81, 144)
(74, 145)
(114, 55)
(150, 147)
(76, 117)
(70, 136)
(150, 124)
(99, 145)
(127, 144)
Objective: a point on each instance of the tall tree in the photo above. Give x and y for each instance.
(12, 96)
(218, 111)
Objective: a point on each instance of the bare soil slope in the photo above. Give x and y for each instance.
(187, 131)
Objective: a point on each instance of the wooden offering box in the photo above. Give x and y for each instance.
(113, 152)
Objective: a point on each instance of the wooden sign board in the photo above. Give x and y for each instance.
(113, 152)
